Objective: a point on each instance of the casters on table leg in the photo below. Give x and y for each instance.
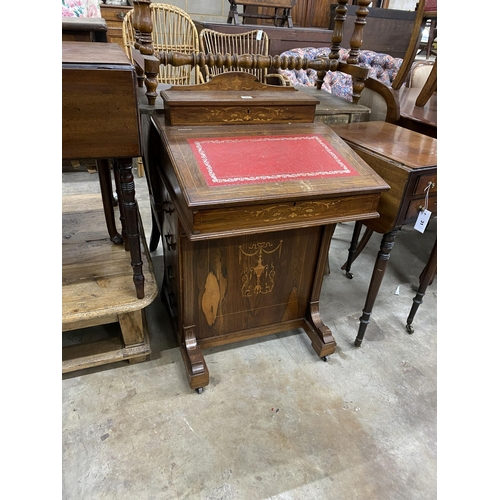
(199, 390)
(325, 358)
(349, 275)
(409, 328)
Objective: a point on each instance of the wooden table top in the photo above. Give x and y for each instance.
(426, 114)
(93, 53)
(409, 148)
(276, 96)
(84, 23)
(329, 103)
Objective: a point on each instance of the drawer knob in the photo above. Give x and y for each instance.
(120, 15)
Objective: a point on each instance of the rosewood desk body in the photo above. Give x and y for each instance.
(247, 259)
(100, 121)
(407, 161)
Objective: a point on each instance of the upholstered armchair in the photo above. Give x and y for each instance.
(382, 67)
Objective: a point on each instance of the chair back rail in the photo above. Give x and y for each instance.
(152, 59)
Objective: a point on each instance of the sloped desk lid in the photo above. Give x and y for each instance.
(228, 178)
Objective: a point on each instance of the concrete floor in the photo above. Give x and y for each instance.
(275, 422)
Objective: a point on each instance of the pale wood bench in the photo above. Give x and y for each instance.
(282, 11)
(97, 289)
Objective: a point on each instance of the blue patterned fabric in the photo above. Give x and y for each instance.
(382, 67)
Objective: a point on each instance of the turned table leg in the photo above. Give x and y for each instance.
(127, 200)
(376, 280)
(425, 278)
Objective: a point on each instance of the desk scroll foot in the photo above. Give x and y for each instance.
(194, 361)
(321, 336)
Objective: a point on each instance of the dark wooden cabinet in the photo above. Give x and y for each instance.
(316, 13)
(312, 13)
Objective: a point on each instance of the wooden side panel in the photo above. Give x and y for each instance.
(99, 101)
(390, 201)
(249, 281)
(228, 115)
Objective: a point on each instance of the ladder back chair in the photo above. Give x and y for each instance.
(426, 9)
(149, 59)
(414, 108)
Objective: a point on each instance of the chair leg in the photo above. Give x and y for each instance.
(355, 249)
(106, 186)
(429, 87)
(155, 232)
(140, 167)
(432, 36)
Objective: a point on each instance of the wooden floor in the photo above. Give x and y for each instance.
(98, 288)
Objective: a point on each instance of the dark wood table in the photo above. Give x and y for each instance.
(84, 29)
(246, 225)
(100, 121)
(407, 161)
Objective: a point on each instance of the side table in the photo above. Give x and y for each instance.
(407, 161)
(100, 120)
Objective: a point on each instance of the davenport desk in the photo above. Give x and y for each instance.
(249, 206)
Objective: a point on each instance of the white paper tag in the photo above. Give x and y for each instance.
(246, 97)
(259, 35)
(422, 220)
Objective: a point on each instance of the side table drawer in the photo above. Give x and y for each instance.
(421, 185)
(415, 207)
(423, 181)
(114, 16)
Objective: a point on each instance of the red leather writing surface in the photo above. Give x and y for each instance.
(252, 159)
